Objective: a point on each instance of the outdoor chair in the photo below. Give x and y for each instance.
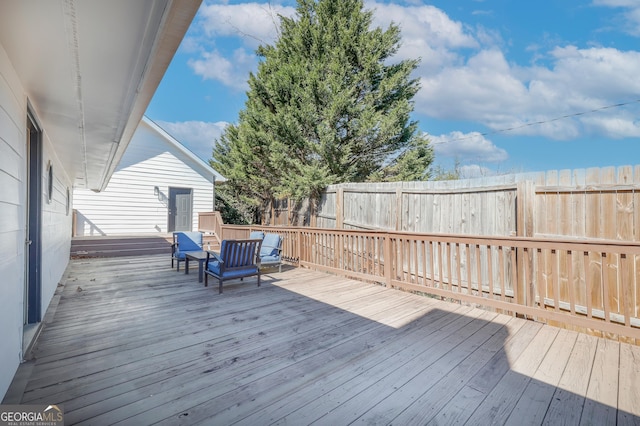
(271, 251)
(184, 242)
(237, 259)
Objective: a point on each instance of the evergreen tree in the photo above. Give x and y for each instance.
(410, 165)
(326, 106)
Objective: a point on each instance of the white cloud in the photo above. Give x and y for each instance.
(490, 91)
(616, 3)
(426, 23)
(467, 147)
(198, 136)
(232, 72)
(427, 33)
(616, 127)
(250, 23)
(465, 74)
(471, 171)
(630, 16)
(484, 90)
(253, 23)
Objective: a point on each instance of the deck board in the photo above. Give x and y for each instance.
(629, 393)
(568, 398)
(500, 402)
(537, 396)
(602, 393)
(134, 342)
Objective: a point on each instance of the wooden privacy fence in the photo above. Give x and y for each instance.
(587, 204)
(593, 286)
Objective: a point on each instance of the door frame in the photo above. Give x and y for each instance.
(33, 223)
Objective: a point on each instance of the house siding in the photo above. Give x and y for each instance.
(56, 223)
(128, 205)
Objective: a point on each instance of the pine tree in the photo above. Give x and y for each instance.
(327, 105)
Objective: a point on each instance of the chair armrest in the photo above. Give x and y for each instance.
(213, 256)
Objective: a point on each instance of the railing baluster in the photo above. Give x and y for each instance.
(469, 285)
(605, 288)
(572, 290)
(514, 275)
(540, 285)
(479, 269)
(490, 271)
(440, 266)
(459, 262)
(588, 284)
(625, 288)
(415, 260)
(432, 258)
(556, 280)
(449, 251)
(501, 255)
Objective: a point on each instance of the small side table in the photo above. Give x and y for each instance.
(201, 257)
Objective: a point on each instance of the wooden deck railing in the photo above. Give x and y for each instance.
(211, 222)
(594, 285)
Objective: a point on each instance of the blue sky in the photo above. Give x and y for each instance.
(487, 66)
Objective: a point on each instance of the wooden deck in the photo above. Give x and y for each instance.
(134, 342)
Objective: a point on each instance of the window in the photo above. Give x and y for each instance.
(68, 206)
(49, 186)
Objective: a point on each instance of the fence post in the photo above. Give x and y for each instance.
(525, 220)
(398, 209)
(313, 212)
(339, 208)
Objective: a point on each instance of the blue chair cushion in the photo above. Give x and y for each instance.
(188, 241)
(270, 245)
(269, 259)
(256, 235)
(214, 267)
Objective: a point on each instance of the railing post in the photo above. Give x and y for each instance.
(299, 245)
(387, 259)
(74, 223)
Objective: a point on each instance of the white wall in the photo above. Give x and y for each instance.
(128, 204)
(56, 224)
(12, 219)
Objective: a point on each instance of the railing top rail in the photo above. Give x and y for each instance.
(599, 245)
(406, 190)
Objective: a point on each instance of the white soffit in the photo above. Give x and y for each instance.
(90, 68)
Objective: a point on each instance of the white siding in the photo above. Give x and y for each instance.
(128, 205)
(56, 224)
